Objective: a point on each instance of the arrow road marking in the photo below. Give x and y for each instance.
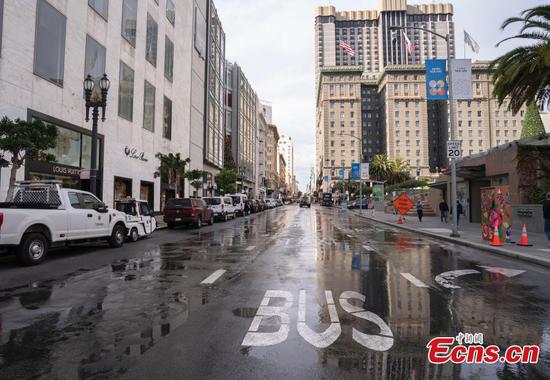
(213, 277)
(446, 279)
(504, 271)
(415, 281)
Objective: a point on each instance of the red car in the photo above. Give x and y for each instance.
(190, 211)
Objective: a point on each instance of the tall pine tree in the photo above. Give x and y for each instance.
(532, 123)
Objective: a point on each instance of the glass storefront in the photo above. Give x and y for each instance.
(147, 193)
(123, 188)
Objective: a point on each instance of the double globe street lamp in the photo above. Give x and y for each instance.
(94, 101)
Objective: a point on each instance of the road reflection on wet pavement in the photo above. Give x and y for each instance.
(306, 293)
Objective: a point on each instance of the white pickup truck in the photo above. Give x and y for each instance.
(42, 215)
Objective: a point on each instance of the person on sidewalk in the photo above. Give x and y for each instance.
(419, 210)
(459, 211)
(444, 211)
(247, 208)
(371, 206)
(546, 212)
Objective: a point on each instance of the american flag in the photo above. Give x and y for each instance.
(347, 47)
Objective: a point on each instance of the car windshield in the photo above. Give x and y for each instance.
(127, 208)
(213, 201)
(178, 203)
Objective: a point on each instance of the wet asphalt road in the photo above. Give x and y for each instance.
(141, 312)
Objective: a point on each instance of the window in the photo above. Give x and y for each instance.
(89, 201)
(168, 59)
(74, 200)
(167, 119)
(95, 60)
(49, 52)
(149, 107)
(199, 32)
(170, 12)
(100, 6)
(1, 19)
(129, 21)
(151, 41)
(126, 92)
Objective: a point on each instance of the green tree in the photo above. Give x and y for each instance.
(21, 140)
(195, 178)
(399, 171)
(226, 181)
(523, 74)
(171, 169)
(380, 167)
(228, 160)
(532, 123)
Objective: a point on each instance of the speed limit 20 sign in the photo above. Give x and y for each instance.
(454, 149)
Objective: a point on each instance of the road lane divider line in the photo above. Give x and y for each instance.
(368, 248)
(213, 277)
(415, 281)
(251, 248)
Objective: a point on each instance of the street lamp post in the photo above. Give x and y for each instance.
(94, 102)
(447, 39)
(360, 179)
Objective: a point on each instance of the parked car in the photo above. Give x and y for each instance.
(42, 215)
(327, 200)
(364, 204)
(254, 206)
(222, 207)
(263, 205)
(279, 202)
(140, 221)
(238, 202)
(305, 202)
(270, 202)
(190, 211)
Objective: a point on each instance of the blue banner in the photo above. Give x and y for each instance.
(341, 173)
(356, 172)
(436, 79)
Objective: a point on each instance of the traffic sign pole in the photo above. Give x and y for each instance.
(454, 232)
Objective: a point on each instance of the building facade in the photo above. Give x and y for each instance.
(272, 157)
(282, 185)
(145, 48)
(370, 34)
(261, 157)
(214, 131)
(397, 120)
(285, 147)
(242, 100)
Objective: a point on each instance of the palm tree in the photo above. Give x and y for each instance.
(171, 169)
(399, 171)
(380, 168)
(523, 74)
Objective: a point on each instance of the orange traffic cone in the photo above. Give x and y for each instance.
(524, 241)
(400, 220)
(496, 238)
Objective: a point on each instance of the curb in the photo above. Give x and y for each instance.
(499, 251)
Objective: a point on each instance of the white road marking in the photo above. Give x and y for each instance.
(504, 271)
(327, 337)
(381, 342)
(213, 277)
(415, 281)
(350, 236)
(446, 279)
(287, 242)
(258, 339)
(368, 248)
(251, 248)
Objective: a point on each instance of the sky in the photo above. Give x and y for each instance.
(273, 42)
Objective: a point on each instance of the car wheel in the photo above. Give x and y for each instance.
(134, 235)
(211, 220)
(33, 249)
(198, 223)
(116, 240)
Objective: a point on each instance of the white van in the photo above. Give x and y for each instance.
(222, 207)
(239, 201)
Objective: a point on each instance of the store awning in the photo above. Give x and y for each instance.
(469, 172)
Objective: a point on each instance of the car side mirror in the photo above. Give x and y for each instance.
(102, 208)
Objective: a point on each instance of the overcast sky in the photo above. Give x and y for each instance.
(273, 41)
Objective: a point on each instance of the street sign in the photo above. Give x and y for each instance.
(355, 171)
(365, 168)
(342, 173)
(403, 204)
(454, 149)
(84, 173)
(325, 178)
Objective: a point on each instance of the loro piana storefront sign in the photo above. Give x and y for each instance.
(135, 154)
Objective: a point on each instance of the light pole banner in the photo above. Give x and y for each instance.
(365, 168)
(436, 79)
(461, 84)
(355, 171)
(341, 173)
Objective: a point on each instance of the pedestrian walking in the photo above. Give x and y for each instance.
(246, 208)
(371, 206)
(444, 211)
(546, 212)
(419, 210)
(459, 211)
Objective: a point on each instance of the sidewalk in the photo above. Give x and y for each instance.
(470, 236)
